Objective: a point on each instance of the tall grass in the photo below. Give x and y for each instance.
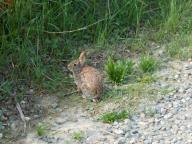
(36, 36)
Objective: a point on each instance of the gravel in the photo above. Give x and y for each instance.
(167, 121)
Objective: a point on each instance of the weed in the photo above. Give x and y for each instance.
(114, 116)
(117, 71)
(148, 64)
(78, 135)
(41, 129)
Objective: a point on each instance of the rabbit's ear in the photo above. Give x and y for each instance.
(82, 58)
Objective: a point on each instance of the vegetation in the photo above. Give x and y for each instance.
(118, 70)
(114, 116)
(180, 47)
(37, 38)
(40, 129)
(147, 79)
(148, 64)
(78, 135)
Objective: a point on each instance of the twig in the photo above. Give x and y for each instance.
(79, 29)
(23, 118)
(48, 77)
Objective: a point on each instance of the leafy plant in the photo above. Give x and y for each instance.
(117, 71)
(41, 129)
(114, 116)
(148, 64)
(78, 135)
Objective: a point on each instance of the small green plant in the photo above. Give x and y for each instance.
(41, 129)
(78, 135)
(114, 116)
(118, 70)
(146, 79)
(148, 64)
(150, 111)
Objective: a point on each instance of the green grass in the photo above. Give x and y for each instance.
(114, 116)
(5, 90)
(180, 47)
(148, 64)
(147, 79)
(41, 129)
(117, 71)
(79, 136)
(37, 39)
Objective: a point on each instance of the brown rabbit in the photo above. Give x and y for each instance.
(88, 79)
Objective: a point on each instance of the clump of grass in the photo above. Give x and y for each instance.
(117, 71)
(114, 116)
(148, 64)
(78, 135)
(41, 129)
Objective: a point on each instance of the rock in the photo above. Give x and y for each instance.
(168, 116)
(30, 92)
(163, 111)
(176, 76)
(58, 110)
(118, 131)
(147, 141)
(1, 135)
(133, 132)
(181, 90)
(54, 105)
(60, 121)
(121, 140)
(36, 116)
(115, 123)
(133, 141)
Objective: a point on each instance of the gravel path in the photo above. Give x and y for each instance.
(168, 121)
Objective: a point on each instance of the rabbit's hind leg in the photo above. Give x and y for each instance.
(85, 91)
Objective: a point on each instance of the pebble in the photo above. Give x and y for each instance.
(118, 131)
(121, 140)
(54, 105)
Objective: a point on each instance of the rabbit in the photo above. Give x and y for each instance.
(88, 79)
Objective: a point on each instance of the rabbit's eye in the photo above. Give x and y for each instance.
(74, 64)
